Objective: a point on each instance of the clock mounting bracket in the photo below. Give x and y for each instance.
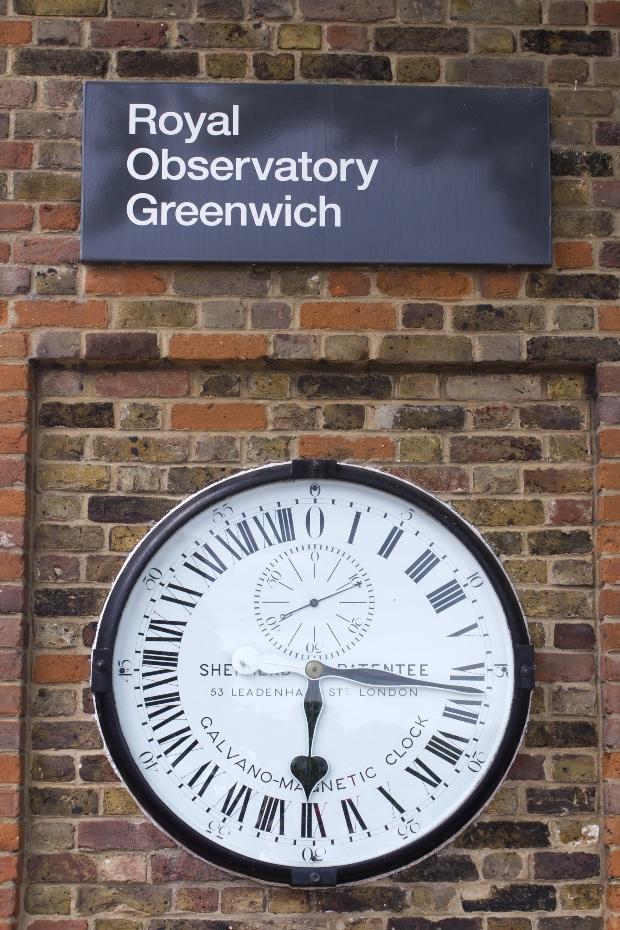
(315, 468)
(101, 675)
(313, 878)
(524, 661)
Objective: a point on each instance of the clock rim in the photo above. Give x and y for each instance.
(180, 831)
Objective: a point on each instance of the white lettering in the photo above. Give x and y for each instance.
(131, 158)
(134, 118)
(366, 175)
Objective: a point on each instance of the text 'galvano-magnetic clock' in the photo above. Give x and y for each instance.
(312, 673)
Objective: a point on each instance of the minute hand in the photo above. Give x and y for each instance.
(376, 676)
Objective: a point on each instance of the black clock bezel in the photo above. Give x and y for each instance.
(197, 843)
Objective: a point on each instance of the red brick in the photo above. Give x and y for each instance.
(59, 217)
(610, 633)
(11, 699)
(556, 666)
(406, 282)
(10, 769)
(608, 376)
(361, 448)
(607, 13)
(609, 507)
(216, 347)
(219, 416)
(12, 503)
(12, 471)
(15, 216)
(11, 535)
(46, 249)
(142, 383)
(10, 799)
(570, 510)
(608, 539)
(117, 280)
(609, 571)
(15, 33)
(347, 316)
(572, 255)
(14, 408)
(348, 284)
(10, 868)
(609, 602)
(13, 439)
(121, 834)
(53, 668)
(347, 38)
(609, 319)
(15, 154)
(9, 842)
(126, 33)
(16, 92)
(11, 629)
(609, 442)
(13, 345)
(500, 284)
(11, 566)
(69, 313)
(9, 897)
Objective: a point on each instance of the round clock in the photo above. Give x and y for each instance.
(312, 673)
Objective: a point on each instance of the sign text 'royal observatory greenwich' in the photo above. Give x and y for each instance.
(315, 173)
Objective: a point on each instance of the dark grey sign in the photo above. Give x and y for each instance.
(315, 173)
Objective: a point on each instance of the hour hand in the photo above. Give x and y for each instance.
(309, 769)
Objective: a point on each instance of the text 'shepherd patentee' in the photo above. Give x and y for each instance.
(315, 173)
(145, 163)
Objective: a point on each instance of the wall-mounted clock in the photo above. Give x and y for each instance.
(312, 673)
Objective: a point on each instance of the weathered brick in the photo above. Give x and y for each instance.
(42, 62)
(566, 42)
(348, 10)
(157, 64)
(346, 67)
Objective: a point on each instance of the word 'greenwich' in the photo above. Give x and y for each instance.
(145, 163)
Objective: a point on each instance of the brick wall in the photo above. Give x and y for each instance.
(126, 388)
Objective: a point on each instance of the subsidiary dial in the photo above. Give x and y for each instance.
(314, 601)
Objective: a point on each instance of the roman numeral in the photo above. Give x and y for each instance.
(312, 820)
(212, 561)
(162, 630)
(162, 703)
(213, 770)
(455, 711)
(237, 800)
(160, 658)
(441, 744)
(270, 809)
(465, 672)
(356, 520)
(280, 525)
(386, 794)
(352, 816)
(245, 542)
(183, 738)
(425, 774)
(189, 600)
(389, 542)
(446, 596)
(422, 566)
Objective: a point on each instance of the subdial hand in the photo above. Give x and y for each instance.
(315, 601)
(247, 661)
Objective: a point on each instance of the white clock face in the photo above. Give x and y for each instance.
(326, 622)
